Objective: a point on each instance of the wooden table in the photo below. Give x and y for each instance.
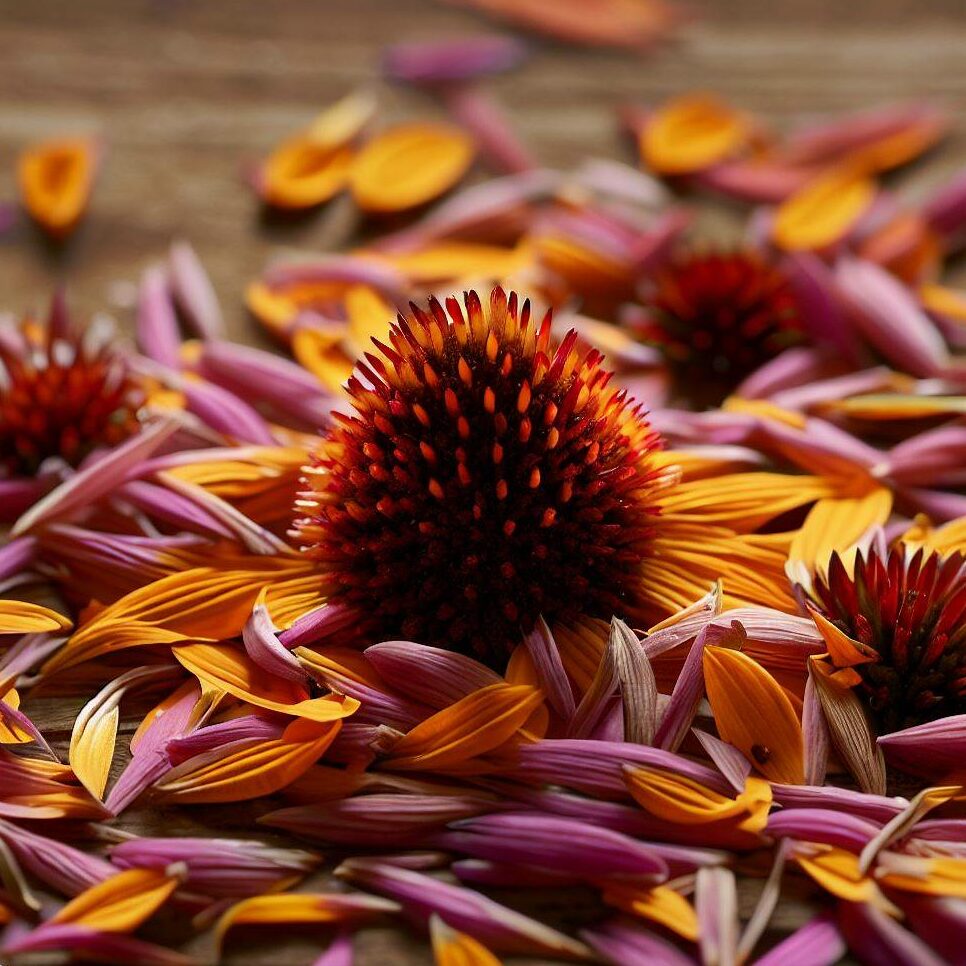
(185, 92)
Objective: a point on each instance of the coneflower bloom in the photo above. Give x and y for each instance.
(902, 617)
(484, 479)
(64, 392)
(716, 317)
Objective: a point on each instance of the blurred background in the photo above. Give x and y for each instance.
(185, 94)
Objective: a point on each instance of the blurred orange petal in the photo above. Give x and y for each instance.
(824, 211)
(409, 165)
(693, 132)
(56, 179)
(452, 948)
(301, 174)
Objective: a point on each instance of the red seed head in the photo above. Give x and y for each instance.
(483, 480)
(911, 609)
(718, 317)
(60, 395)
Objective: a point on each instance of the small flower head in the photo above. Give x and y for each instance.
(718, 317)
(483, 480)
(910, 611)
(63, 394)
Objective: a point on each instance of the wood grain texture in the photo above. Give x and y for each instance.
(185, 92)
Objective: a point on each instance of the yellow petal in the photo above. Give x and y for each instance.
(692, 132)
(940, 876)
(226, 667)
(343, 121)
(837, 871)
(836, 523)
(260, 768)
(20, 617)
(824, 211)
(457, 260)
(10, 732)
(753, 713)
(452, 948)
(843, 650)
(120, 903)
(409, 165)
(327, 361)
(661, 904)
(474, 725)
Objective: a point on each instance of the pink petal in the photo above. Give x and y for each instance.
(157, 325)
(194, 292)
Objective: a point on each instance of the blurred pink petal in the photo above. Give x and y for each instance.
(452, 59)
(623, 943)
(194, 292)
(157, 325)
(817, 943)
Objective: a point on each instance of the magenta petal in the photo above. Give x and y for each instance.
(890, 318)
(880, 941)
(379, 820)
(101, 947)
(814, 287)
(793, 367)
(98, 477)
(264, 648)
(247, 728)
(17, 495)
(731, 762)
(160, 503)
(317, 625)
(350, 269)
(339, 952)
(550, 670)
(822, 825)
(933, 749)
(876, 808)
(149, 760)
(938, 919)
(817, 943)
(157, 324)
(945, 211)
(56, 864)
(621, 944)
(430, 675)
(496, 926)
(557, 844)
(17, 556)
(456, 59)
(933, 458)
(215, 866)
(225, 412)
(194, 292)
(485, 120)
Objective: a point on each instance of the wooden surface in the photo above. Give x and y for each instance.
(184, 92)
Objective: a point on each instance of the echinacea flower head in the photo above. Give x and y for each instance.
(64, 392)
(484, 479)
(907, 614)
(717, 317)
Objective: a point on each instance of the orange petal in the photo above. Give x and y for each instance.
(472, 726)
(685, 801)
(753, 713)
(409, 165)
(837, 872)
(301, 174)
(844, 651)
(302, 908)
(452, 948)
(204, 603)
(226, 667)
(20, 617)
(660, 904)
(324, 358)
(458, 260)
(824, 211)
(56, 179)
(120, 903)
(261, 768)
(693, 132)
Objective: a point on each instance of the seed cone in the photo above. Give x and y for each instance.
(482, 481)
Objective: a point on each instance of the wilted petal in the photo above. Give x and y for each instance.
(716, 904)
(550, 670)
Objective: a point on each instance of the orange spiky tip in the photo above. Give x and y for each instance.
(911, 611)
(483, 480)
(61, 395)
(717, 317)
